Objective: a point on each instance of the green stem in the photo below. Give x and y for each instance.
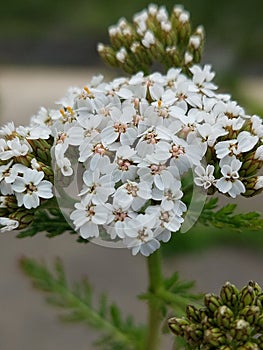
(154, 314)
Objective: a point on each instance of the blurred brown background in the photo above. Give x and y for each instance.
(47, 46)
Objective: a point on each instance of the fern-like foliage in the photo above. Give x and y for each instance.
(226, 217)
(118, 333)
(49, 220)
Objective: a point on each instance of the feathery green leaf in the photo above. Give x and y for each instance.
(226, 217)
(118, 333)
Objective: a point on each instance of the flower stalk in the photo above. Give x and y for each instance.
(154, 316)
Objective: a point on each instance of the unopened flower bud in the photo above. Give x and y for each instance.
(259, 341)
(212, 302)
(177, 325)
(107, 54)
(148, 39)
(240, 330)
(256, 287)
(260, 322)
(214, 337)
(224, 316)
(188, 58)
(250, 313)
(254, 185)
(195, 41)
(193, 314)
(247, 296)
(249, 346)
(121, 55)
(9, 202)
(229, 294)
(25, 160)
(23, 216)
(259, 301)
(193, 334)
(41, 150)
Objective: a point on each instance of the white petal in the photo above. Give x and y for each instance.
(89, 230)
(19, 185)
(109, 135)
(223, 185)
(237, 188)
(100, 216)
(44, 189)
(31, 200)
(75, 135)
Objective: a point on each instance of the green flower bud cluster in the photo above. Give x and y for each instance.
(231, 321)
(154, 37)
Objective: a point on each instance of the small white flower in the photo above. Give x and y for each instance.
(120, 127)
(121, 55)
(148, 39)
(123, 167)
(187, 93)
(141, 237)
(133, 194)
(162, 14)
(184, 17)
(157, 173)
(210, 133)
(188, 58)
(195, 41)
(230, 182)
(243, 143)
(45, 117)
(13, 148)
(87, 217)
(118, 217)
(97, 188)
(96, 153)
(202, 79)
(205, 176)
(8, 224)
(149, 139)
(170, 197)
(166, 26)
(8, 131)
(166, 219)
(35, 132)
(155, 83)
(31, 187)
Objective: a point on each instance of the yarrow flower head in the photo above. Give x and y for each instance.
(129, 144)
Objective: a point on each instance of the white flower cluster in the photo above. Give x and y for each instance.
(136, 138)
(22, 183)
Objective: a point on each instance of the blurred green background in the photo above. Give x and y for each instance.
(66, 32)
